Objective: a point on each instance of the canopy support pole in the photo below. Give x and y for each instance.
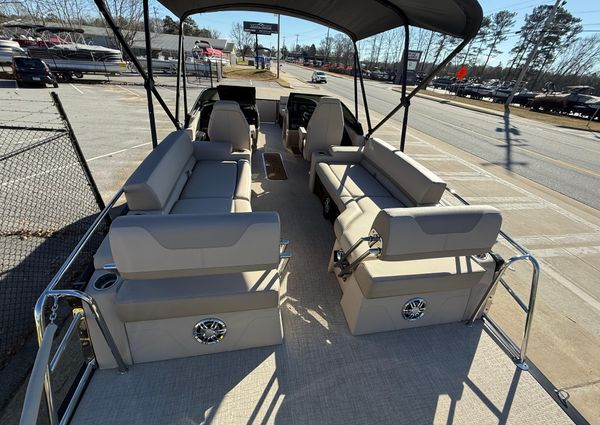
(178, 88)
(403, 100)
(420, 86)
(117, 32)
(149, 82)
(184, 72)
(355, 89)
(362, 88)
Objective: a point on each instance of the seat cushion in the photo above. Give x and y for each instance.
(349, 181)
(378, 279)
(151, 184)
(228, 124)
(211, 179)
(418, 183)
(192, 296)
(203, 206)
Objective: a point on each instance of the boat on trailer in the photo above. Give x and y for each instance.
(65, 50)
(194, 311)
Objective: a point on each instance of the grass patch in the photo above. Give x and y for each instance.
(251, 73)
(564, 121)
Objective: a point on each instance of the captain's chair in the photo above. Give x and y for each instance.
(228, 124)
(325, 128)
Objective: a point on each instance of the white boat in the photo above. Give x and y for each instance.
(65, 51)
(8, 50)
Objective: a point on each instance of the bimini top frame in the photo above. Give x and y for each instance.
(358, 19)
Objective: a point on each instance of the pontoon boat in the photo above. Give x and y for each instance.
(194, 312)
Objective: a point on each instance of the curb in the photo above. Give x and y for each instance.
(458, 104)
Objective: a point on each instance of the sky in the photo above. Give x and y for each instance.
(307, 32)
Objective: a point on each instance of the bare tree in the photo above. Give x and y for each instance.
(242, 39)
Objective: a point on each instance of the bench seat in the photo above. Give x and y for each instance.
(189, 251)
(139, 300)
(378, 278)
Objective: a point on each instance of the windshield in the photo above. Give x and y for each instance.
(29, 64)
(320, 73)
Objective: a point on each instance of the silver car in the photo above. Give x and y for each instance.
(318, 77)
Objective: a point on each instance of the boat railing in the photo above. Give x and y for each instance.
(47, 363)
(518, 352)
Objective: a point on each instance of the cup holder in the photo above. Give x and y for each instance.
(105, 281)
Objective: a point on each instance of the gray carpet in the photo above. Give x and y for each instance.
(321, 374)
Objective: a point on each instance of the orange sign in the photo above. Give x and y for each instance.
(461, 73)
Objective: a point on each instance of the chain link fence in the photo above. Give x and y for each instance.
(47, 202)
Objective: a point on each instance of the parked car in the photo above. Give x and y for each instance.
(318, 77)
(442, 82)
(32, 71)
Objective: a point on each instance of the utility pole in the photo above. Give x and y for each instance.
(278, 34)
(256, 51)
(296, 41)
(532, 54)
(326, 47)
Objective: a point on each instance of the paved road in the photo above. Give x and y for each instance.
(564, 160)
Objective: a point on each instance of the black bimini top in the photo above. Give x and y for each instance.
(357, 18)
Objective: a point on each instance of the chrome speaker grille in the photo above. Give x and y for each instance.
(414, 309)
(210, 331)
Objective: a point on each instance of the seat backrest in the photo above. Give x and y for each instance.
(150, 186)
(228, 124)
(164, 246)
(325, 127)
(421, 186)
(435, 232)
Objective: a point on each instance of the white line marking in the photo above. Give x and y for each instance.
(71, 165)
(130, 91)
(118, 152)
(584, 295)
(80, 92)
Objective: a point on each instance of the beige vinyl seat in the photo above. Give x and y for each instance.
(185, 177)
(361, 181)
(434, 256)
(190, 250)
(228, 124)
(325, 128)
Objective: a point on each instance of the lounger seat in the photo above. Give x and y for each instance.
(375, 170)
(429, 266)
(190, 256)
(185, 177)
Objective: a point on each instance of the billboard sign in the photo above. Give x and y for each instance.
(260, 28)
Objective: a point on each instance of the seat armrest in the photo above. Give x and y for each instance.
(436, 232)
(211, 151)
(301, 138)
(335, 154)
(345, 153)
(165, 246)
(201, 135)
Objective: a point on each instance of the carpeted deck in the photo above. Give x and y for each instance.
(321, 374)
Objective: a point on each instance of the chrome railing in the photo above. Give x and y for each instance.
(519, 353)
(51, 292)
